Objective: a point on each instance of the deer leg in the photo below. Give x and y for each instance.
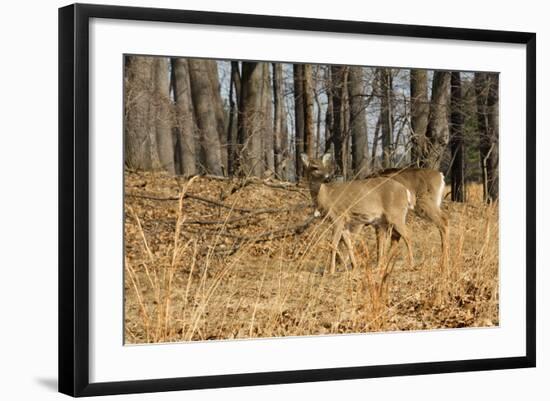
(351, 235)
(395, 237)
(351, 250)
(400, 231)
(336, 237)
(385, 268)
(433, 213)
(380, 243)
(444, 232)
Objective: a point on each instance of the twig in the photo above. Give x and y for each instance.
(190, 196)
(263, 236)
(247, 216)
(216, 177)
(216, 203)
(268, 183)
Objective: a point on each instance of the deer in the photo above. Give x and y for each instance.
(380, 202)
(427, 186)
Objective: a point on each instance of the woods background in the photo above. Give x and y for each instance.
(229, 118)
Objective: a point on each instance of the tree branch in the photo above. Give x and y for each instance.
(214, 202)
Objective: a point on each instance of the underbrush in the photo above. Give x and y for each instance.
(210, 259)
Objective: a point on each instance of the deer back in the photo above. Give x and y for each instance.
(365, 201)
(423, 183)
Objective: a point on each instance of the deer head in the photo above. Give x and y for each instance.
(318, 170)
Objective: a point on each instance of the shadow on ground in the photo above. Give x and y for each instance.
(48, 382)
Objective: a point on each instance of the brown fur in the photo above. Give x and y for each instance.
(379, 201)
(427, 187)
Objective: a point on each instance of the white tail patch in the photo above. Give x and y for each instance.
(410, 200)
(441, 189)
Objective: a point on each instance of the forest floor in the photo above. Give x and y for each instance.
(212, 259)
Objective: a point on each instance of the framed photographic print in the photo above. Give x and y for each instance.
(251, 199)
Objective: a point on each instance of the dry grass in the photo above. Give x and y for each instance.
(189, 281)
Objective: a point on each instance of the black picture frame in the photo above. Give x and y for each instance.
(74, 194)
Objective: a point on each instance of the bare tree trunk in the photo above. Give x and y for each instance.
(185, 122)
(386, 89)
(458, 193)
(268, 137)
(232, 134)
(493, 137)
(420, 111)
(251, 115)
(329, 117)
(318, 111)
(481, 89)
(346, 137)
(231, 130)
(438, 125)
(217, 106)
(280, 124)
(339, 78)
(201, 93)
(309, 131)
(236, 78)
(140, 143)
(358, 121)
(163, 117)
(486, 87)
(298, 71)
(374, 164)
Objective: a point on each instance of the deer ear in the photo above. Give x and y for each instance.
(327, 159)
(305, 159)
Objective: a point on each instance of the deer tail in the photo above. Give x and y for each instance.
(411, 199)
